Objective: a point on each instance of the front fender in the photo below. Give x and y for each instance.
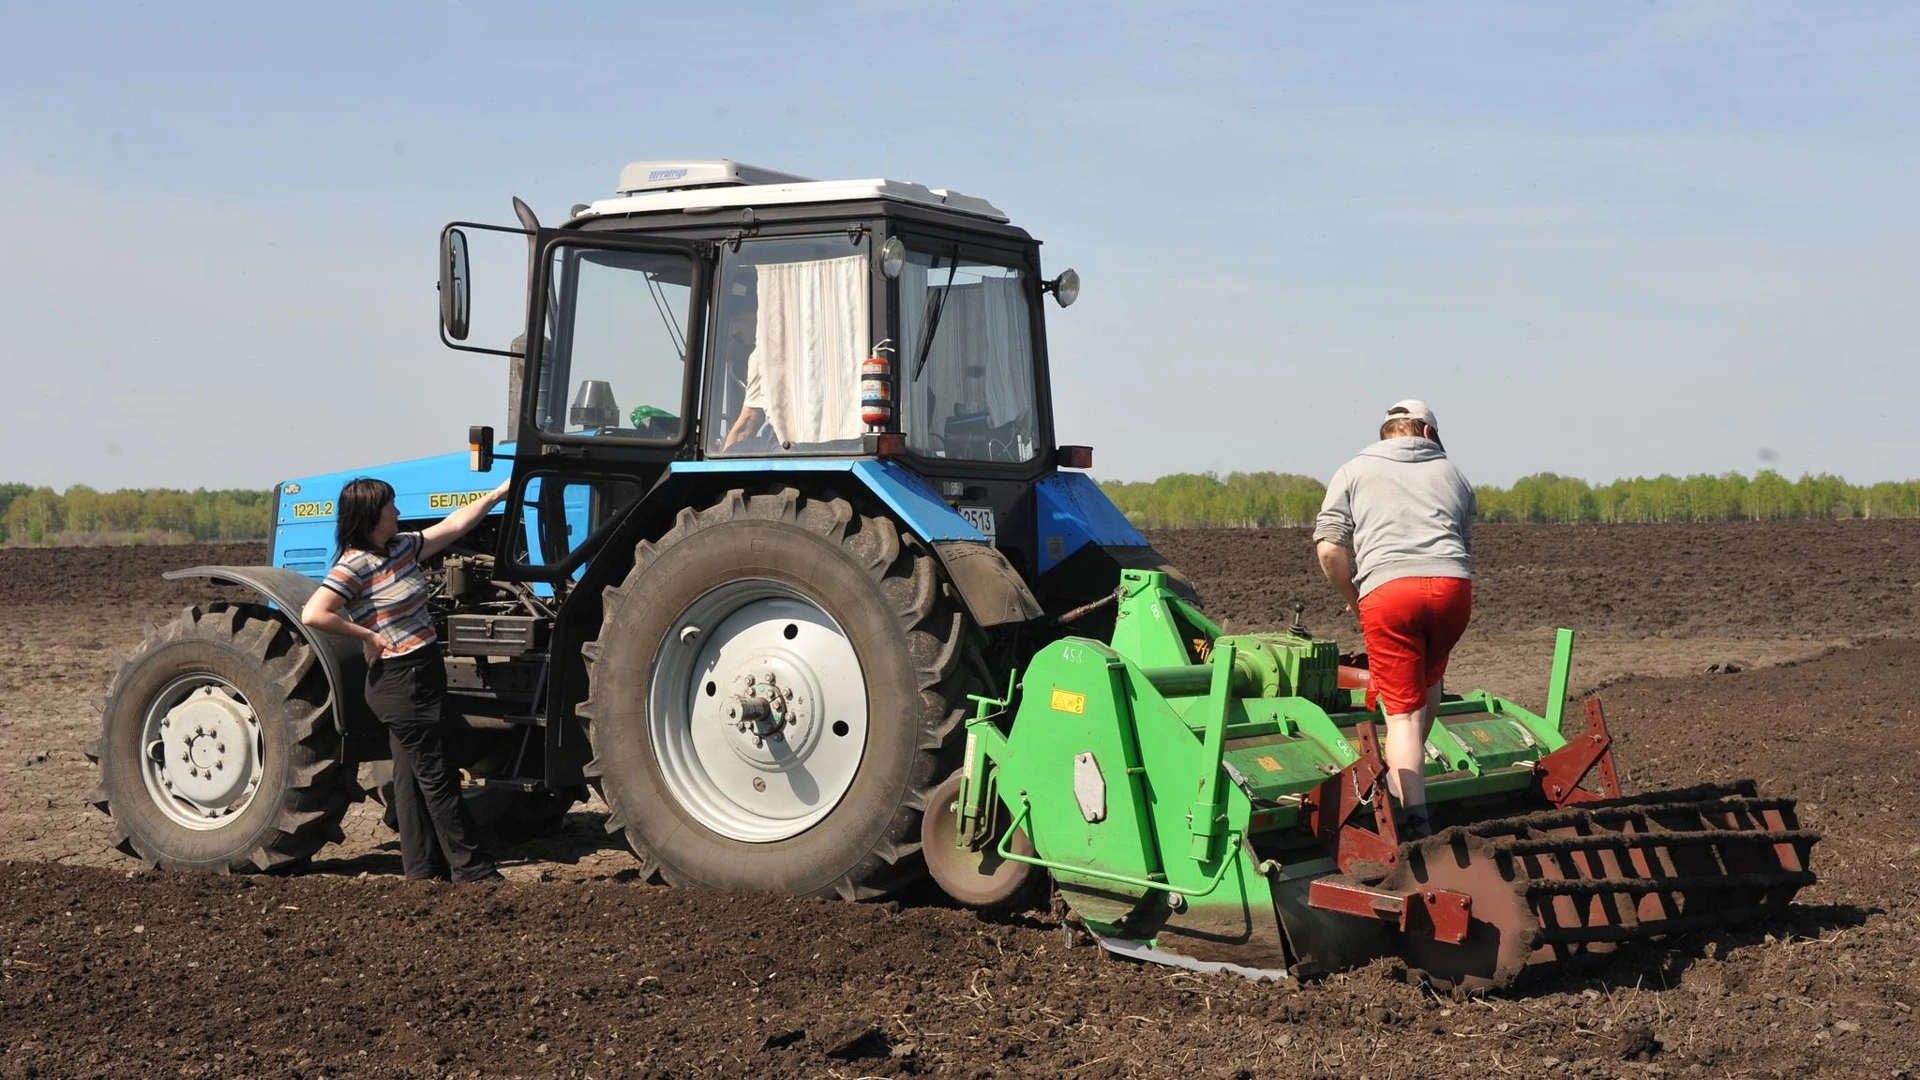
(340, 657)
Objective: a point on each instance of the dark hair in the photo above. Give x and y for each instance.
(359, 507)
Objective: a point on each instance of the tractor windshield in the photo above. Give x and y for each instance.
(966, 358)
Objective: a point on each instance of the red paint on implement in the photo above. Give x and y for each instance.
(1558, 775)
(1329, 809)
(1440, 914)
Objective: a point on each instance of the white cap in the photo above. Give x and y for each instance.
(1411, 409)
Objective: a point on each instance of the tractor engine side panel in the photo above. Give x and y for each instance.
(424, 491)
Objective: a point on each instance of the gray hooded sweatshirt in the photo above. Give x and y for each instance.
(1404, 510)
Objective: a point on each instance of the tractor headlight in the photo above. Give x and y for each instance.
(893, 256)
(1065, 288)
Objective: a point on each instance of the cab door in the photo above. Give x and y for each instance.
(617, 332)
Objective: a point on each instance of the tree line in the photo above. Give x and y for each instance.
(40, 515)
(1257, 500)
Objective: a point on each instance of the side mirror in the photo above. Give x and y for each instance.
(455, 286)
(480, 448)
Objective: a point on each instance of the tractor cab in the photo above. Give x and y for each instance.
(722, 316)
(791, 294)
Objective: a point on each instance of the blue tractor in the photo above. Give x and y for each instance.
(786, 493)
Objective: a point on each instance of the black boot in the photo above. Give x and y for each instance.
(1415, 826)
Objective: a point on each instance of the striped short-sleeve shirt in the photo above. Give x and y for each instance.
(387, 592)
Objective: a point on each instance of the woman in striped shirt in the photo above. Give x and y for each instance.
(377, 593)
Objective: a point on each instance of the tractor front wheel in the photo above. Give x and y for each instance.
(777, 686)
(217, 750)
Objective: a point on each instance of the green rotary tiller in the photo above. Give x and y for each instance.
(1219, 803)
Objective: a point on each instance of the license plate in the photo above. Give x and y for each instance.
(980, 517)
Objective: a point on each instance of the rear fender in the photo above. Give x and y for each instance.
(287, 591)
(989, 586)
(992, 590)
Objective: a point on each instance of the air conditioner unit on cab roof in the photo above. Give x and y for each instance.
(645, 176)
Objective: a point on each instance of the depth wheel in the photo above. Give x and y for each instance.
(217, 750)
(1501, 935)
(975, 877)
(777, 685)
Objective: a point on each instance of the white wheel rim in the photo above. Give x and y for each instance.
(758, 711)
(201, 752)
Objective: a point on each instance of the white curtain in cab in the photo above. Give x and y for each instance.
(812, 332)
(984, 324)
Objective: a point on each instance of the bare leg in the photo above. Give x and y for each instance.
(1406, 753)
(1427, 712)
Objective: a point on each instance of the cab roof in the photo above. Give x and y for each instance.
(720, 183)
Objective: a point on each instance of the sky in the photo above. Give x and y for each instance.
(1603, 239)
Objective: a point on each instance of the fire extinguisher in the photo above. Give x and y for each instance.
(876, 387)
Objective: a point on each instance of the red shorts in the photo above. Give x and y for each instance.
(1410, 626)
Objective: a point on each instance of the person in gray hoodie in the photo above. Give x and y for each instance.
(1395, 537)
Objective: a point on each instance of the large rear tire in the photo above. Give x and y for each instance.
(217, 750)
(777, 686)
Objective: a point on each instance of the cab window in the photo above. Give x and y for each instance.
(614, 365)
(792, 323)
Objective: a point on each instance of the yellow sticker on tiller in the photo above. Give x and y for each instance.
(1268, 763)
(1069, 701)
(1484, 738)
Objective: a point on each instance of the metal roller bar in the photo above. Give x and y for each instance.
(1550, 845)
(1676, 885)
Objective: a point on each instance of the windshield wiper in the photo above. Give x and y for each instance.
(660, 304)
(936, 303)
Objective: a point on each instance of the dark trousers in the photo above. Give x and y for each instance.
(438, 837)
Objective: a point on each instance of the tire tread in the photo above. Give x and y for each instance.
(316, 797)
(939, 641)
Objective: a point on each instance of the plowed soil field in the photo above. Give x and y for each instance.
(1785, 653)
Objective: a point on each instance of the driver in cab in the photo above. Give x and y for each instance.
(736, 352)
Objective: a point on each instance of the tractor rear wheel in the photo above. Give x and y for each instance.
(217, 750)
(777, 686)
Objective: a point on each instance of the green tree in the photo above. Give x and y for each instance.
(34, 516)
(167, 511)
(80, 507)
(120, 511)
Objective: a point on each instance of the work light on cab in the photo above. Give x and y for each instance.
(893, 257)
(1065, 288)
